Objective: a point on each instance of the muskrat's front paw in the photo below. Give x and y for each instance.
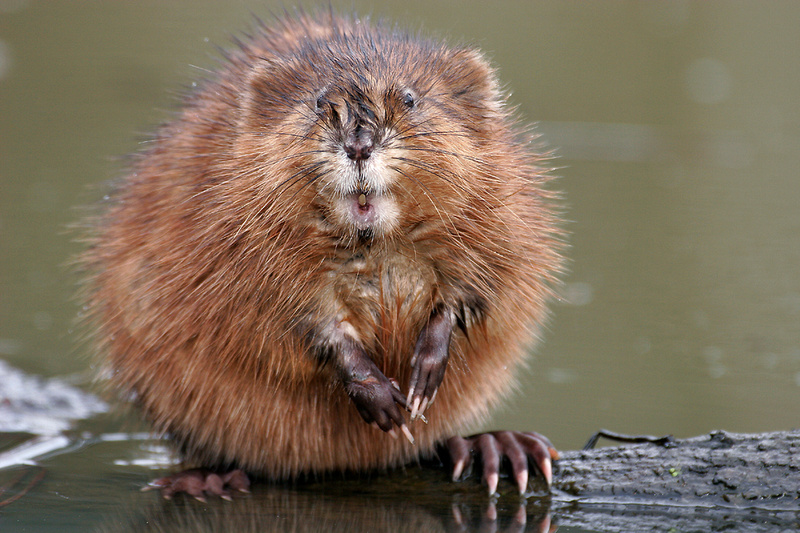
(492, 447)
(429, 361)
(426, 376)
(377, 399)
(198, 482)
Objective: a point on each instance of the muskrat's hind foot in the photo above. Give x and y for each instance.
(198, 482)
(517, 446)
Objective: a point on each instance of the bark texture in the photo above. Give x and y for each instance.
(717, 470)
(717, 482)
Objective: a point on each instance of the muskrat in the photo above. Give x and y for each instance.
(342, 223)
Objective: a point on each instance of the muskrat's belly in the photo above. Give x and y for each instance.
(279, 428)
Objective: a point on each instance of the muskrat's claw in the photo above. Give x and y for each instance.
(198, 482)
(518, 447)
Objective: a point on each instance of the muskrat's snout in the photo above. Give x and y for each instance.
(358, 144)
(359, 184)
(361, 158)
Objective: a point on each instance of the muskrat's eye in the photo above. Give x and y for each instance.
(319, 104)
(408, 99)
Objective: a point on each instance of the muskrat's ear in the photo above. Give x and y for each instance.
(250, 100)
(256, 95)
(259, 106)
(474, 76)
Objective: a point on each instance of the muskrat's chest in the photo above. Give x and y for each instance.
(384, 284)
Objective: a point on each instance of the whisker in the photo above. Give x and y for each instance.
(288, 182)
(472, 158)
(223, 183)
(410, 125)
(297, 176)
(434, 201)
(434, 171)
(308, 183)
(438, 172)
(297, 155)
(432, 132)
(299, 136)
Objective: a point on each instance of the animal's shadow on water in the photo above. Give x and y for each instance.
(412, 499)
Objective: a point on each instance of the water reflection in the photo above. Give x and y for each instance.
(277, 509)
(416, 499)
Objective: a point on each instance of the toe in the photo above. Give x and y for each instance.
(540, 451)
(459, 450)
(490, 456)
(513, 450)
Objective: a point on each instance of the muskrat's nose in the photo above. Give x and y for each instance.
(358, 145)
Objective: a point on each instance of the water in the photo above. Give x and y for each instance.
(677, 130)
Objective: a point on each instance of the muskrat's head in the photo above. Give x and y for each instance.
(376, 129)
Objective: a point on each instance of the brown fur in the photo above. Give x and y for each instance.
(221, 253)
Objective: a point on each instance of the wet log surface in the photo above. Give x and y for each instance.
(720, 469)
(721, 481)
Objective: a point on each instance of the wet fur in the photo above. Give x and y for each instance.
(220, 258)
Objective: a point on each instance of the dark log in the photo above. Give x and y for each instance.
(721, 481)
(717, 470)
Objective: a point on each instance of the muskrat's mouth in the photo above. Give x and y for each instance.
(363, 198)
(363, 207)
